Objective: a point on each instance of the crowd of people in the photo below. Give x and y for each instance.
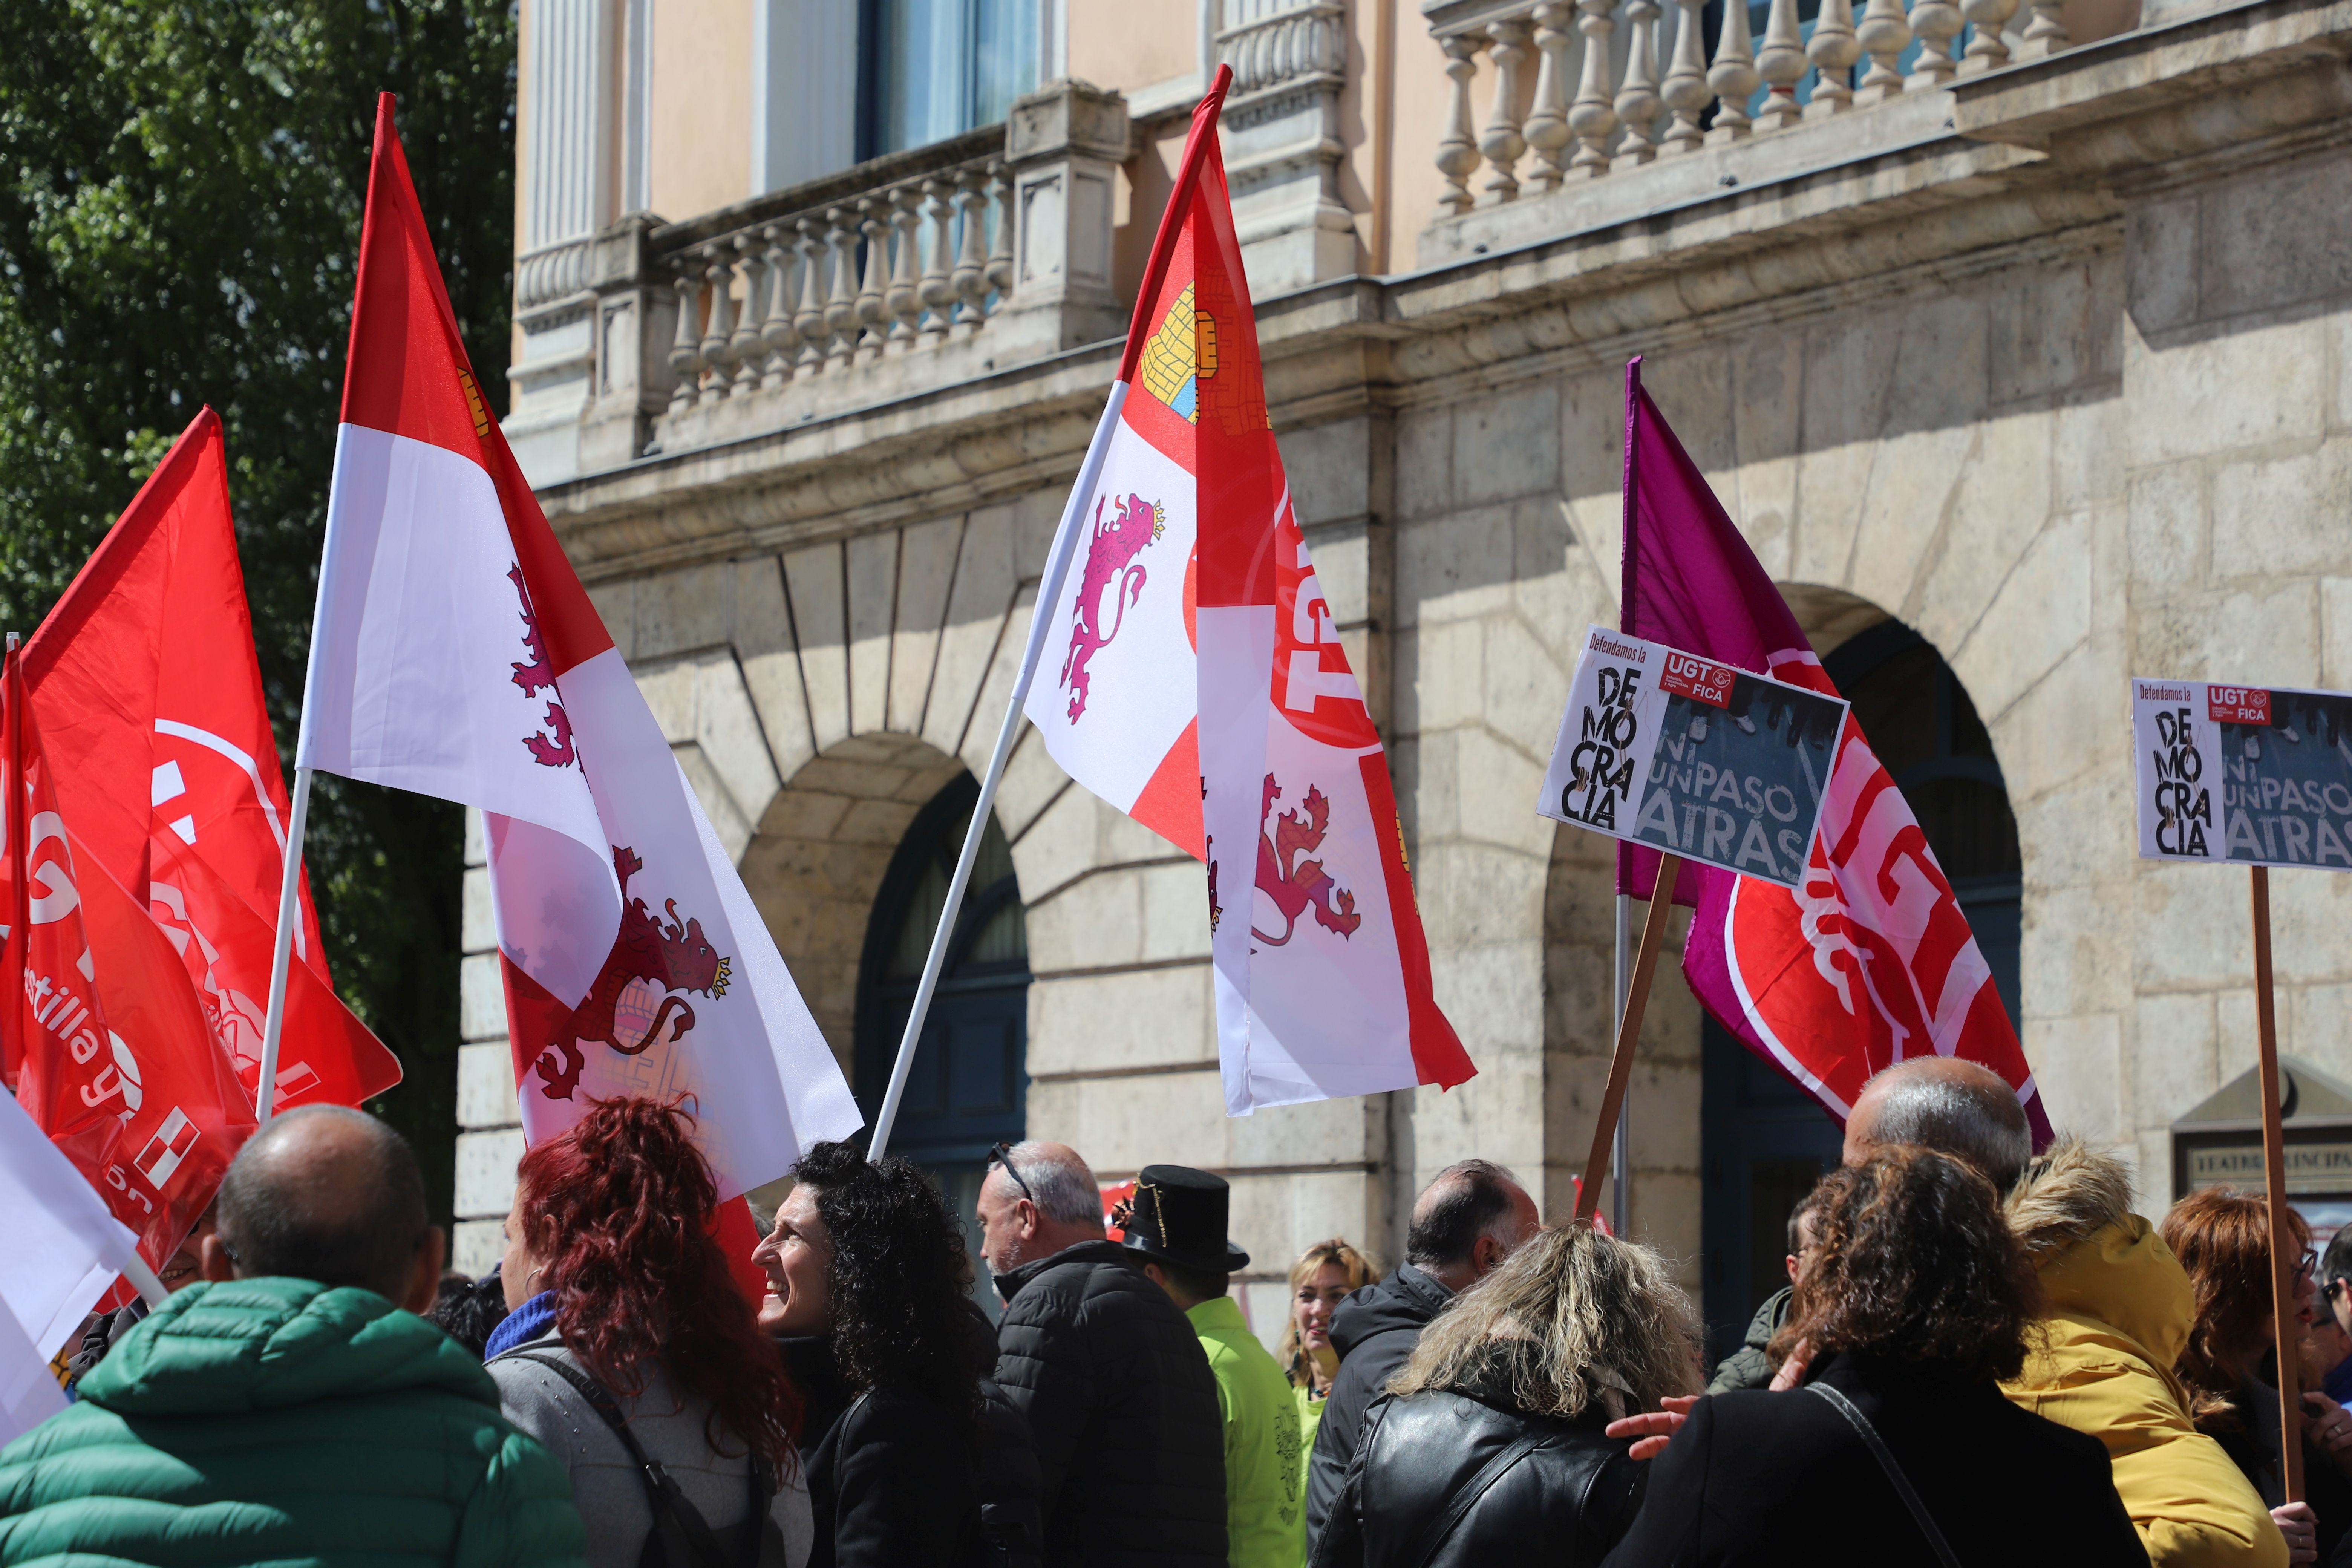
(1982, 1356)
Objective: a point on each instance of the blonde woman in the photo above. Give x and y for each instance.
(1325, 1274)
(1487, 1448)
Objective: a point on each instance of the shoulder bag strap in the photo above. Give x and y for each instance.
(1885, 1458)
(1467, 1498)
(661, 1489)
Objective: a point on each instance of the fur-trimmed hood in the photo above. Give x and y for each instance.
(2071, 1208)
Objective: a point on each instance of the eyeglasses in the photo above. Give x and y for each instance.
(1002, 1155)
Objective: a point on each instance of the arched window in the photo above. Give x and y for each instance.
(1765, 1141)
(969, 1083)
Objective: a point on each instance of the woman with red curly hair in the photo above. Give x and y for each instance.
(631, 1355)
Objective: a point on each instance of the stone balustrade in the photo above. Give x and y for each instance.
(833, 288)
(907, 272)
(1578, 91)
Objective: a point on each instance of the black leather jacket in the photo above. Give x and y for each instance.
(1447, 1480)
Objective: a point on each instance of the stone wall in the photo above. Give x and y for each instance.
(2067, 388)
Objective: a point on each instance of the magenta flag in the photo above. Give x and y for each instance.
(1869, 962)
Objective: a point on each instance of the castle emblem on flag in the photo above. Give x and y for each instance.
(1294, 884)
(1180, 354)
(1110, 563)
(640, 991)
(553, 750)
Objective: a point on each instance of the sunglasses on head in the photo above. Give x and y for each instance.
(1002, 1155)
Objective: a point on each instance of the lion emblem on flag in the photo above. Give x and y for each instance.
(1111, 563)
(640, 991)
(1297, 884)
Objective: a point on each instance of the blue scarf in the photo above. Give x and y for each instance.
(528, 1322)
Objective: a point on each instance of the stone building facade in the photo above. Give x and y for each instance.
(2017, 341)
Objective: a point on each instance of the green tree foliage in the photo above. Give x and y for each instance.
(181, 187)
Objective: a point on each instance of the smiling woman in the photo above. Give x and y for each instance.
(915, 1455)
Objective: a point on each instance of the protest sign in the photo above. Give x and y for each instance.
(1699, 759)
(2256, 776)
(2250, 776)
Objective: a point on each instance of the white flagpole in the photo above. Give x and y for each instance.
(1041, 616)
(290, 912)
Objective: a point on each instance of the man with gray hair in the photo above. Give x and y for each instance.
(229, 1425)
(1123, 1410)
(1950, 1104)
(1473, 1215)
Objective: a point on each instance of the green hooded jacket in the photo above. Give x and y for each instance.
(1266, 1492)
(274, 1420)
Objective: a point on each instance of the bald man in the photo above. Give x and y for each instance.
(1469, 1218)
(1948, 1104)
(1122, 1407)
(226, 1429)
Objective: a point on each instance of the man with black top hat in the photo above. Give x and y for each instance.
(1122, 1408)
(1176, 1222)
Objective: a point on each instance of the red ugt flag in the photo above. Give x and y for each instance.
(1203, 688)
(102, 1041)
(1869, 961)
(455, 654)
(149, 702)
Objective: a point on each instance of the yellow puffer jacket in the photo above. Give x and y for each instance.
(2119, 1311)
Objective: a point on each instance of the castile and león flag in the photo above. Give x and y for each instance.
(1202, 690)
(455, 653)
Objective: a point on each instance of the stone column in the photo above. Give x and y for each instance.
(1282, 141)
(1064, 144)
(490, 1126)
(567, 149)
(635, 319)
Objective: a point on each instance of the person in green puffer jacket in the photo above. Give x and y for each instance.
(286, 1410)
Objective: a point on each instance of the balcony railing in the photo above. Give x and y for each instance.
(1572, 102)
(839, 282)
(914, 271)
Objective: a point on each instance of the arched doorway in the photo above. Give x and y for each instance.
(1766, 1141)
(969, 1083)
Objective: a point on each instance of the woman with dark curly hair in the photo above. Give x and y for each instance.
(632, 1356)
(1907, 1316)
(2223, 1238)
(920, 1460)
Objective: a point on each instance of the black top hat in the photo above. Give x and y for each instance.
(1178, 1215)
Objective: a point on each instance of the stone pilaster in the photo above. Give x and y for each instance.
(489, 1135)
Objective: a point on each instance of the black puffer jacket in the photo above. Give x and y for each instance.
(1122, 1411)
(891, 1481)
(1374, 1332)
(1457, 1480)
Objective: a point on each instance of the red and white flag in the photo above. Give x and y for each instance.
(1202, 689)
(455, 654)
(103, 1041)
(149, 702)
(64, 1250)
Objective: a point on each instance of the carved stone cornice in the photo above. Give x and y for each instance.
(1876, 225)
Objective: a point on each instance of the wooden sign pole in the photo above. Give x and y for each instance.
(1629, 1029)
(2284, 1261)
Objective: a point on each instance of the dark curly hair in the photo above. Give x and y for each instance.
(626, 1206)
(1916, 1265)
(899, 1279)
(2222, 1238)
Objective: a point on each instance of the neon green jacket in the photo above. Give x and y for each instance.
(1266, 1481)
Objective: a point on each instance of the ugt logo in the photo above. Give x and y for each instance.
(1110, 563)
(640, 990)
